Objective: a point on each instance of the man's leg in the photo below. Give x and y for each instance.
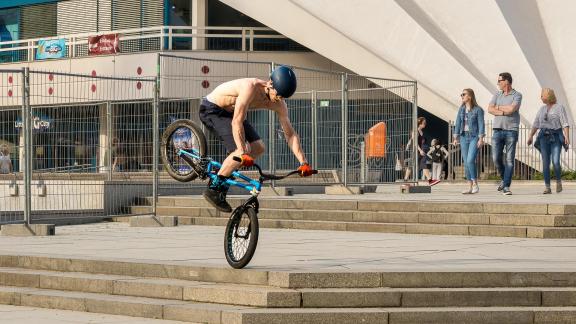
(497, 147)
(255, 149)
(510, 141)
(218, 188)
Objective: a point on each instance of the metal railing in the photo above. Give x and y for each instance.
(162, 38)
(84, 147)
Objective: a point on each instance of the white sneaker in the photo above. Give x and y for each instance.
(466, 192)
(475, 189)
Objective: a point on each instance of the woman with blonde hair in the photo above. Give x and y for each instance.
(469, 132)
(552, 123)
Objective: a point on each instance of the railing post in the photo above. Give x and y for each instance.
(170, 40)
(155, 144)
(109, 139)
(251, 38)
(72, 45)
(30, 51)
(451, 150)
(344, 99)
(362, 162)
(243, 39)
(27, 131)
(271, 136)
(314, 129)
(414, 134)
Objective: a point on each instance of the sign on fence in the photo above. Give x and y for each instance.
(103, 44)
(51, 48)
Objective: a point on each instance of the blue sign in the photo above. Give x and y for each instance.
(52, 48)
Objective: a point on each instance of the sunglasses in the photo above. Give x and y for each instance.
(463, 95)
(546, 116)
(500, 80)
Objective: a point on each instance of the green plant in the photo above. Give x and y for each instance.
(566, 175)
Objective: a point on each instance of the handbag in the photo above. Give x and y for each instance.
(398, 166)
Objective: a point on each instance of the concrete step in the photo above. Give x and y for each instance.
(117, 305)
(469, 315)
(402, 228)
(214, 313)
(271, 297)
(438, 297)
(280, 279)
(324, 203)
(174, 289)
(378, 216)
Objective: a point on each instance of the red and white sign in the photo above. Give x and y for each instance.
(103, 44)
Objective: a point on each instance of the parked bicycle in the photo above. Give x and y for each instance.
(183, 154)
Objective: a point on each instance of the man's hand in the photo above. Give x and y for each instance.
(480, 142)
(529, 142)
(305, 170)
(247, 160)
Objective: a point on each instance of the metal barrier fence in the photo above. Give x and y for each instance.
(76, 152)
(77, 148)
(528, 159)
(331, 136)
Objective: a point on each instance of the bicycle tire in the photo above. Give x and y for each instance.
(174, 165)
(239, 251)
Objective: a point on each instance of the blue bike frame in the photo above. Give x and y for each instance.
(253, 186)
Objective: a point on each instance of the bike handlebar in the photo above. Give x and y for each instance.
(268, 176)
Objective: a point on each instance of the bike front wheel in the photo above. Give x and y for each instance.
(241, 237)
(182, 134)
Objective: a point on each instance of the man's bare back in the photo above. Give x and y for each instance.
(226, 94)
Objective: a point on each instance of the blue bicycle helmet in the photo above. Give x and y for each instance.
(284, 81)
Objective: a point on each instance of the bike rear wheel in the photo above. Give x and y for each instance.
(241, 237)
(182, 134)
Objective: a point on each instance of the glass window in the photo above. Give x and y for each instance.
(9, 19)
(180, 13)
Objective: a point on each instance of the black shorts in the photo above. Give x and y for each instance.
(219, 121)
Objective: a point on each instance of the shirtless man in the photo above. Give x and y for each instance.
(224, 111)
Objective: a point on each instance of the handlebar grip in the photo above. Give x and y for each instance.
(237, 159)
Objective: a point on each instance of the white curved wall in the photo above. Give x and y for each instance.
(445, 45)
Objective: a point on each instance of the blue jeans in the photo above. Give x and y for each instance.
(550, 148)
(504, 139)
(469, 149)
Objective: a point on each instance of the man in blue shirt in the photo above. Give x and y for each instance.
(505, 106)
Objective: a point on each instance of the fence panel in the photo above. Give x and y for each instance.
(91, 145)
(379, 119)
(185, 81)
(11, 147)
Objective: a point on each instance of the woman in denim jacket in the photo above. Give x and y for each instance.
(552, 121)
(469, 132)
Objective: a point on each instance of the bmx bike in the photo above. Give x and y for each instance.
(183, 153)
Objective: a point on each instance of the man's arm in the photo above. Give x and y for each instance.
(510, 109)
(245, 96)
(290, 134)
(492, 107)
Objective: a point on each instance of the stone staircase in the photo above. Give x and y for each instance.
(537, 220)
(220, 295)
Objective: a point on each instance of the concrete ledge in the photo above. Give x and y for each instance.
(28, 230)
(153, 221)
(342, 190)
(408, 188)
(277, 191)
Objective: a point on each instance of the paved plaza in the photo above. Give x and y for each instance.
(300, 250)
